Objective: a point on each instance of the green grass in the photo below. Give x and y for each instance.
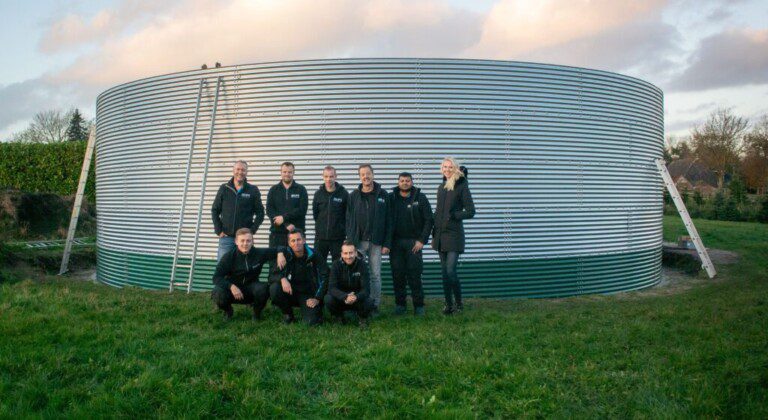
(79, 349)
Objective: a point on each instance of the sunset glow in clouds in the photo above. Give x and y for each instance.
(703, 54)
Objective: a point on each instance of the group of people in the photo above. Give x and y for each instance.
(355, 228)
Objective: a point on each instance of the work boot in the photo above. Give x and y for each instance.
(418, 311)
(400, 310)
(228, 313)
(448, 309)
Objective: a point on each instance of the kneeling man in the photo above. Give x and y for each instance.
(349, 286)
(302, 282)
(236, 279)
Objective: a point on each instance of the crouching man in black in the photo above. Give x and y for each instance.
(236, 279)
(349, 286)
(302, 282)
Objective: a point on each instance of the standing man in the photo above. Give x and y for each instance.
(287, 203)
(348, 286)
(302, 282)
(236, 279)
(369, 225)
(237, 205)
(329, 208)
(413, 221)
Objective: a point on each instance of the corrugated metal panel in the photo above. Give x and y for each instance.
(561, 159)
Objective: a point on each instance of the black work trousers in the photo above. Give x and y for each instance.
(406, 269)
(278, 239)
(336, 307)
(326, 246)
(255, 294)
(286, 303)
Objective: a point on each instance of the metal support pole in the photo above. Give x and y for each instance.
(186, 185)
(78, 200)
(202, 187)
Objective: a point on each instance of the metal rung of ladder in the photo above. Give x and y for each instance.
(188, 283)
(706, 263)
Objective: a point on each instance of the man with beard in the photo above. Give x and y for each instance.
(348, 286)
(301, 283)
(236, 279)
(369, 226)
(329, 207)
(412, 218)
(287, 203)
(237, 205)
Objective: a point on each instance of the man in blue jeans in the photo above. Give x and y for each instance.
(369, 226)
(237, 205)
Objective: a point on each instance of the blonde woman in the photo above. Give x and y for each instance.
(454, 204)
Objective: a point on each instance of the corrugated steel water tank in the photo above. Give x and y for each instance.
(568, 198)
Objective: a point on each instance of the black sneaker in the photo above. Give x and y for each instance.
(228, 313)
(340, 319)
(418, 311)
(448, 310)
(400, 310)
(288, 319)
(459, 308)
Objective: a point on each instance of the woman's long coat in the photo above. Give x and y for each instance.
(452, 208)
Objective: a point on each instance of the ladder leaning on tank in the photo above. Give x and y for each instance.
(706, 262)
(177, 251)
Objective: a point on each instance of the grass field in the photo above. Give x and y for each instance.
(78, 349)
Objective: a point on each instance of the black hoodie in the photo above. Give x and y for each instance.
(290, 203)
(379, 215)
(412, 215)
(240, 269)
(232, 210)
(345, 279)
(329, 209)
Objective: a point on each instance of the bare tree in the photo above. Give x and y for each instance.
(46, 127)
(718, 142)
(755, 163)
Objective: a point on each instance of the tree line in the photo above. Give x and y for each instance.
(737, 153)
(54, 126)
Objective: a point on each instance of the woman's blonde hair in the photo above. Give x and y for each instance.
(450, 183)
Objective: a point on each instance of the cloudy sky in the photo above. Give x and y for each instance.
(704, 54)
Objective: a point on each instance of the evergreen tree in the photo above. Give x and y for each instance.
(762, 216)
(738, 190)
(76, 130)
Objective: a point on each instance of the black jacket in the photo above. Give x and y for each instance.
(290, 203)
(232, 211)
(349, 278)
(329, 210)
(381, 232)
(452, 208)
(316, 283)
(240, 269)
(411, 214)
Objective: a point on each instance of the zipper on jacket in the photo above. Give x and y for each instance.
(328, 224)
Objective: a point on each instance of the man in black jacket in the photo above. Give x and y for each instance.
(237, 205)
(329, 208)
(348, 286)
(302, 282)
(287, 203)
(236, 279)
(412, 218)
(369, 225)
